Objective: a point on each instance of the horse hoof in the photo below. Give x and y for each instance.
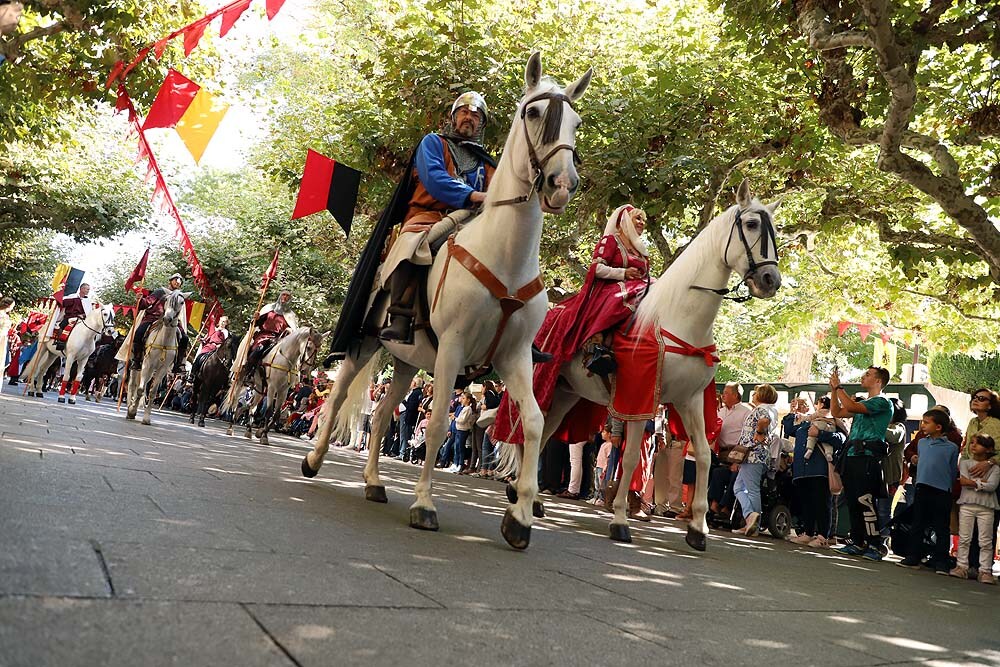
(61, 399)
(424, 519)
(147, 422)
(192, 419)
(201, 423)
(695, 539)
(376, 494)
(309, 472)
(86, 398)
(538, 509)
(620, 532)
(129, 416)
(511, 494)
(71, 401)
(516, 534)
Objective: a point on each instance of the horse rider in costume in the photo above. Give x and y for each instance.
(153, 304)
(447, 176)
(215, 339)
(451, 173)
(75, 307)
(272, 322)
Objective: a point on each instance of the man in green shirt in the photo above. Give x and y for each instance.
(861, 463)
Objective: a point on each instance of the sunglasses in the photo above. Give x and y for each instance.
(980, 397)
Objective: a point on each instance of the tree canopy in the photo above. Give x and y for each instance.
(876, 124)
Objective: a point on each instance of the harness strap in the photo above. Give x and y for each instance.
(509, 303)
(689, 350)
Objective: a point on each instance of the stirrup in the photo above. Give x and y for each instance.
(399, 330)
(539, 357)
(602, 361)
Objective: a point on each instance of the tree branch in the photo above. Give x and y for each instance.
(937, 297)
(815, 24)
(11, 48)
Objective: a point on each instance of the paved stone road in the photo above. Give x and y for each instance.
(129, 545)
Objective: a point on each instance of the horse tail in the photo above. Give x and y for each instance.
(508, 459)
(350, 409)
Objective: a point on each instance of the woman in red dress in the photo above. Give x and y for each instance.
(617, 280)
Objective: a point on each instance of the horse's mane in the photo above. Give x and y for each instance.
(682, 273)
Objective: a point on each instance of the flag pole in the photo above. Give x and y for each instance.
(49, 321)
(128, 352)
(204, 323)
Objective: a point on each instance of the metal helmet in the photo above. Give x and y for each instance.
(474, 101)
(176, 276)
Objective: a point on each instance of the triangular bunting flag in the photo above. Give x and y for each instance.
(273, 7)
(193, 34)
(173, 99)
(159, 47)
(200, 121)
(231, 16)
(842, 327)
(864, 330)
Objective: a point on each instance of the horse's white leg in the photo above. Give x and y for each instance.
(251, 411)
(562, 402)
(132, 397)
(349, 369)
(147, 390)
(423, 514)
(402, 375)
(516, 373)
(630, 460)
(693, 416)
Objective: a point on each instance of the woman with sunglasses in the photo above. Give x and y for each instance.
(985, 403)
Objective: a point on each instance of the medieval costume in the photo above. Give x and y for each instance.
(606, 300)
(153, 304)
(274, 319)
(74, 307)
(447, 169)
(213, 341)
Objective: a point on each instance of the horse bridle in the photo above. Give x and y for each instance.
(767, 239)
(83, 321)
(538, 165)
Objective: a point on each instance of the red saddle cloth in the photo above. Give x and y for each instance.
(63, 335)
(640, 359)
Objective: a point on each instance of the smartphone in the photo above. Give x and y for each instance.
(836, 369)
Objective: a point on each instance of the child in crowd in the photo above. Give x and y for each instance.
(976, 505)
(936, 472)
(419, 440)
(820, 422)
(601, 466)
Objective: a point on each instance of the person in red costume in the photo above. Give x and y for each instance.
(274, 319)
(219, 335)
(152, 305)
(617, 280)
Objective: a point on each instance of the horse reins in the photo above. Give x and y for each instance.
(767, 239)
(538, 176)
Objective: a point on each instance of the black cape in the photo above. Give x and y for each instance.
(348, 333)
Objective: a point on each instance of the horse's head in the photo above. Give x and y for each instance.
(543, 137)
(108, 318)
(173, 308)
(752, 247)
(310, 348)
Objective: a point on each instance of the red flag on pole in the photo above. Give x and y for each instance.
(271, 272)
(138, 274)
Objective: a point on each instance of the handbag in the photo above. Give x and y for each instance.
(738, 454)
(487, 417)
(836, 483)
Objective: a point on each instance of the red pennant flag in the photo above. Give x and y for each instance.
(159, 47)
(329, 185)
(193, 34)
(842, 327)
(886, 336)
(116, 71)
(273, 7)
(138, 274)
(864, 330)
(231, 16)
(271, 272)
(173, 99)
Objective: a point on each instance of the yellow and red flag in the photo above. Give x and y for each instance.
(188, 108)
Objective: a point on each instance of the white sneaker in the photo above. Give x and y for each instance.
(453, 468)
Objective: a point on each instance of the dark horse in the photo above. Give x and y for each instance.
(211, 377)
(100, 367)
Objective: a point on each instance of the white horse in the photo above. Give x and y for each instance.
(158, 359)
(79, 346)
(684, 302)
(474, 324)
(294, 354)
